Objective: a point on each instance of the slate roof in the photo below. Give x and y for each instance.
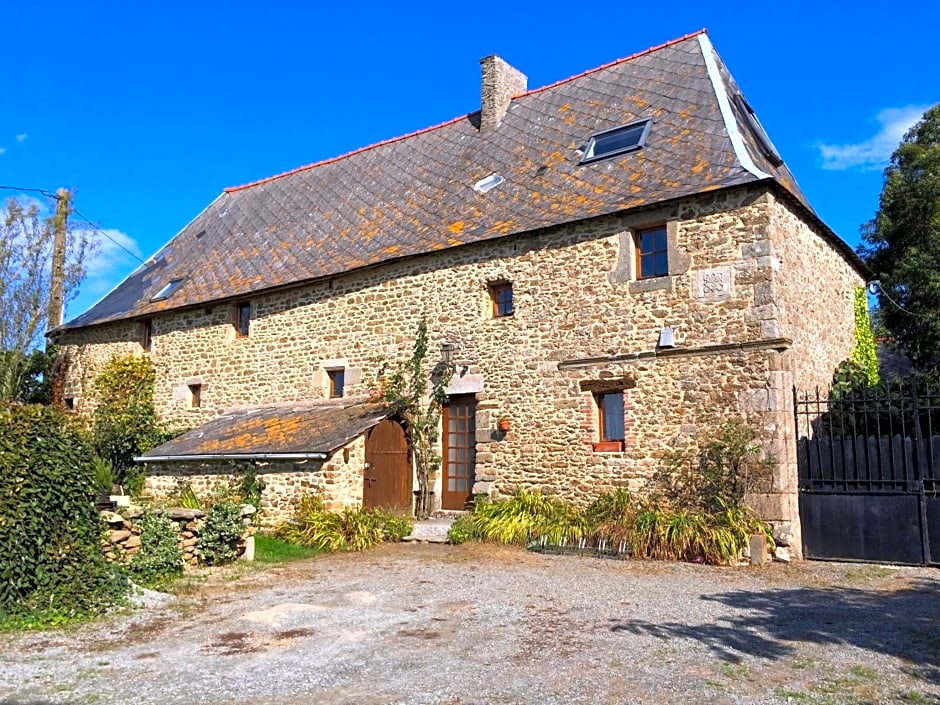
(414, 194)
(275, 429)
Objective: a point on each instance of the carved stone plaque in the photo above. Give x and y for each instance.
(713, 284)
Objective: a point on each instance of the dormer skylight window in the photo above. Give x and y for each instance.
(168, 290)
(619, 140)
(489, 183)
(763, 140)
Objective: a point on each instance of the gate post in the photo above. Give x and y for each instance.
(920, 471)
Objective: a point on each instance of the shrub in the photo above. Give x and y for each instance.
(461, 530)
(526, 516)
(719, 474)
(221, 532)
(125, 421)
(183, 496)
(159, 558)
(352, 529)
(52, 568)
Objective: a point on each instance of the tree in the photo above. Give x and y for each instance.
(902, 243)
(26, 253)
(407, 395)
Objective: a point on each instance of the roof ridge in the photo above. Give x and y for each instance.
(392, 140)
(609, 64)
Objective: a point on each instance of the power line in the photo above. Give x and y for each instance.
(96, 227)
(875, 286)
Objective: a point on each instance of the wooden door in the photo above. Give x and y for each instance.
(387, 481)
(459, 446)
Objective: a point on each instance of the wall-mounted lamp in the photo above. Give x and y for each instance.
(667, 338)
(447, 354)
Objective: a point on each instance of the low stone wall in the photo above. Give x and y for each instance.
(122, 540)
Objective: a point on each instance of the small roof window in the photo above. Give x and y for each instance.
(168, 290)
(618, 140)
(763, 140)
(490, 182)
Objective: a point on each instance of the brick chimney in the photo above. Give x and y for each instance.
(500, 83)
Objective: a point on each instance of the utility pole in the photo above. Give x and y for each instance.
(63, 200)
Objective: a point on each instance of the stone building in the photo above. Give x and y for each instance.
(616, 262)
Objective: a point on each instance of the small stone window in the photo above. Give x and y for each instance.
(610, 420)
(501, 297)
(69, 403)
(195, 396)
(337, 382)
(146, 335)
(242, 319)
(652, 253)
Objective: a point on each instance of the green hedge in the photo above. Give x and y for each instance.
(51, 564)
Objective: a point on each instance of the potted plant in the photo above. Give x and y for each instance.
(503, 423)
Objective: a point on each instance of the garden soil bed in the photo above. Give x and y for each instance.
(418, 623)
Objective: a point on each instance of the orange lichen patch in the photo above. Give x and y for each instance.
(635, 189)
(565, 108)
(456, 227)
(637, 100)
(699, 166)
(272, 229)
(392, 249)
(453, 242)
(438, 246)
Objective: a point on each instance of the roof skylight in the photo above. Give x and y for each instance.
(763, 140)
(619, 140)
(168, 290)
(490, 182)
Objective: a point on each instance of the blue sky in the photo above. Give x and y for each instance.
(149, 110)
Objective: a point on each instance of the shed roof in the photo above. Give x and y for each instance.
(414, 194)
(291, 429)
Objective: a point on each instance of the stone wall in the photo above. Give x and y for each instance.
(580, 319)
(122, 539)
(338, 479)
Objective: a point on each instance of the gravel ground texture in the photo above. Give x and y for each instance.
(418, 623)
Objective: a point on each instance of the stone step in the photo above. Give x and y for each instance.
(434, 529)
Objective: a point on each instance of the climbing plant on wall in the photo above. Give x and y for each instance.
(125, 421)
(415, 394)
(860, 369)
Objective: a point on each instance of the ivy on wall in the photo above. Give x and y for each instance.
(864, 354)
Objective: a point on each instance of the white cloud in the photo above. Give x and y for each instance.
(21, 137)
(875, 152)
(112, 256)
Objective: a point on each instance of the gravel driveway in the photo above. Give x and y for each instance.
(483, 624)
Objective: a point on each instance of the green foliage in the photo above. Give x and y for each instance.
(719, 473)
(220, 534)
(864, 354)
(902, 243)
(125, 421)
(270, 549)
(159, 558)
(104, 475)
(406, 394)
(52, 568)
(247, 486)
(655, 530)
(348, 530)
(461, 530)
(183, 496)
(525, 516)
(28, 377)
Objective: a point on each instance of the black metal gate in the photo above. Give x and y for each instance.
(868, 473)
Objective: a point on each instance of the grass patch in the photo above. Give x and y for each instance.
(270, 549)
(734, 671)
(864, 673)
